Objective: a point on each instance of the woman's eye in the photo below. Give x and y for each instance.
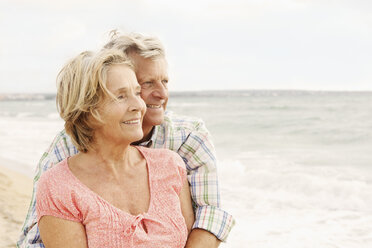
(138, 93)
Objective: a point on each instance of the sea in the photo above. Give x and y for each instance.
(295, 167)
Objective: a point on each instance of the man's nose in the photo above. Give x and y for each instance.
(161, 90)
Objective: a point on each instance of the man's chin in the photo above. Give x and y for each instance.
(153, 120)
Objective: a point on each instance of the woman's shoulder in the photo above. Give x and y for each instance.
(155, 150)
(164, 161)
(56, 177)
(56, 170)
(57, 194)
(160, 154)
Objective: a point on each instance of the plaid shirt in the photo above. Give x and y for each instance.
(186, 136)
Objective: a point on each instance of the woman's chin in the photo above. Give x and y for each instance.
(136, 137)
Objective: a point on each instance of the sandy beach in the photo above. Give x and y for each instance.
(15, 195)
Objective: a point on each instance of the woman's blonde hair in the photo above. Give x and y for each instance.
(81, 88)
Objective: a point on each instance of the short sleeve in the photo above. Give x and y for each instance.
(181, 170)
(55, 197)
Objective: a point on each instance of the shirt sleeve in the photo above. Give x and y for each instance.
(56, 198)
(181, 171)
(198, 154)
(59, 149)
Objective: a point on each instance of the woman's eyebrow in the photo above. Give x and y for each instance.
(125, 89)
(122, 89)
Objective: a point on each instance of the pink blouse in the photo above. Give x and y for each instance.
(62, 195)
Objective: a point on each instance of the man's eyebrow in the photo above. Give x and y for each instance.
(143, 79)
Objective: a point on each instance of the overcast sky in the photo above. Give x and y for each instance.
(231, 44)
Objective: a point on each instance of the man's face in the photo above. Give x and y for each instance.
(152, 75)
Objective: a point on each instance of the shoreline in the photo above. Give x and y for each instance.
(17, 167)
(15, 196)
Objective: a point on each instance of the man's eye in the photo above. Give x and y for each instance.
(165, 83)
(146, 84)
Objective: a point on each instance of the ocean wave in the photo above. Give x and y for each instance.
(25, 114)
(188, 104)
(285, 182)
(5, 114)
(280, 203)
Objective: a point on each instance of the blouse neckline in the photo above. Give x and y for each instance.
(91, 192)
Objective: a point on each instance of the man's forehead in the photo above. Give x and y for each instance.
(149, 76)
(152, 68)
(139, 59)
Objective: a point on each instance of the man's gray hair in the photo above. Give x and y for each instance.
(145, 46)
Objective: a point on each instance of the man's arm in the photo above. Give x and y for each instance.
(199, 156)
(186, 205)
(200, 238)
(60, 148)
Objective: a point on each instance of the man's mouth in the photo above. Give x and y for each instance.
(135, 121)
(153, 106)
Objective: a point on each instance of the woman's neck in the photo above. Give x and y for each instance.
(111, 155)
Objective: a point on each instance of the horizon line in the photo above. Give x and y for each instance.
(209, 90)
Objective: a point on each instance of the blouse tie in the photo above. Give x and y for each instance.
(133, 226)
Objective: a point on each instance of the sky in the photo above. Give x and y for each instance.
(210, 45)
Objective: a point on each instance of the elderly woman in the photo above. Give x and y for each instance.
(111, 194)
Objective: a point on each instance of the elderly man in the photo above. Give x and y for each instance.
(186, 136)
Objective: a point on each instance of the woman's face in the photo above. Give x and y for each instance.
(122, 117)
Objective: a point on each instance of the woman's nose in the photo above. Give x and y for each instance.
(136, 104)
